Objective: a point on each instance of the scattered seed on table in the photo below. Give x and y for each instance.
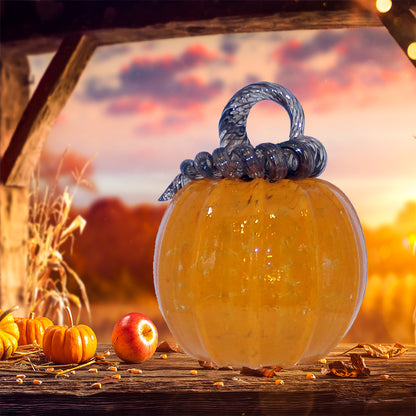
(96, 385)
(135, 370)
(37, 382)
(384, 376)
(50, 370)
(163, 356)
(19, 381)
(100, 357)
(117, 376)
(193, 372)
(93, 370)
(107, 353)
(279, 382)
(72, 372)
(20, 376)
(322, 361)
(219, 384)
(310, 376)
(112, 368)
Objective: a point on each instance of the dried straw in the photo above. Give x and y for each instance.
(50, 228)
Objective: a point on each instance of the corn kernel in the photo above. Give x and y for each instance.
(279, 382)
(135, 370)
(193, 372)
(387, 356)
(310, 376)
(322, 361)
(50, 370)
(20, 376)
(19, 381)
(112, 368)
(163, 356)
(219, 384)
(93, 370)
(116, 376)
(384, 376)
(100, 357)
(107, 353)
(96, 385)
(37, 382)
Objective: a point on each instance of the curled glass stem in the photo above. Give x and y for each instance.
(299, 157)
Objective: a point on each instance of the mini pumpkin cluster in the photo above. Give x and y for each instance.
(61, 344)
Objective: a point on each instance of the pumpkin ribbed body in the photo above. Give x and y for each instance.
(9, 334)
(64, 345)
(258, 273)
(32, 329)
(69, 344)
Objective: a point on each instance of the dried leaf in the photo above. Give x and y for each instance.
(260, 372)
(381, 351)
(357, 368)
(208, 365)
(164, 346)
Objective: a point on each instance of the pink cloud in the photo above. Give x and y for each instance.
(129, 105)
(358, 60)
(164, 81)
(176, 122)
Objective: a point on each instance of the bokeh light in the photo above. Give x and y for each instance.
(383, 6)
(411, 51)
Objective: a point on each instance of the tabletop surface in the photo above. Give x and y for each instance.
(167, 385)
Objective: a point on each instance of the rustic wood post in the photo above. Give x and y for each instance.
(22, 154)
(14, 95)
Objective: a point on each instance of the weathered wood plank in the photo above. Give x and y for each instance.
(166, 387)
(38, 27)
(53, 91)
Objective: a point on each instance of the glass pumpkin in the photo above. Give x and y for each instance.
(256, 273)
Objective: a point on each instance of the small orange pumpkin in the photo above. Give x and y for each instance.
(69, 344)
(9, 333)
(32, 329)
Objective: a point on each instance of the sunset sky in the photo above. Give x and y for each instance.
(142, 108)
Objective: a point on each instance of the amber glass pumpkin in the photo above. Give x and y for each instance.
(258, 273)
(269, 269)
(32, 329)
(69, 344)
(9, 333)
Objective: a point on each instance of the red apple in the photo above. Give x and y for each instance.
(134, 338)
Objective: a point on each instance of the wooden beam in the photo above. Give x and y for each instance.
(14, 95)
(38, 27)
(54, 89)
(400, 21)
(13, 246)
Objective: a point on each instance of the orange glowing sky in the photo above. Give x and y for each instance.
(144, 107)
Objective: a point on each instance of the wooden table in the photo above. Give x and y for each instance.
(167, 387)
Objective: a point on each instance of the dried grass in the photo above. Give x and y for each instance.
(50, 231)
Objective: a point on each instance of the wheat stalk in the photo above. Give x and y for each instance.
(50, 227)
